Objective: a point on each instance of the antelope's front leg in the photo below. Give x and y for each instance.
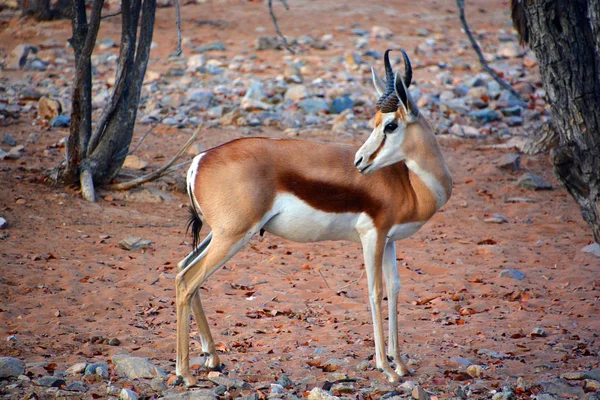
(373, 249)
(392, 281)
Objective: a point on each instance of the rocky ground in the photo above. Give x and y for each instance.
(498, 300)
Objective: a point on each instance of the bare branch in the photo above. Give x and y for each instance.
(154, 125)
(461, 7)
(93, 27)
(111, 15)
(178, 15)
(165, 169)
(274, 18)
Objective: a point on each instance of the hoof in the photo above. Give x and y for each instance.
(213, 363)
(189, 380)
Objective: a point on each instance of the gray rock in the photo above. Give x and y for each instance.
(229, 383)
(514, 111)
(507, 99)
(296, 93)
(9, 140)
(492, 354)
(203, 98)
(534, 182)
(510, 162)
(363, 365)
(593, 248)
(539, 332)
(418, 393)
(51, 381)
(320, 394)
(134, 243)
(461, 361)
(215, 46)
(504, 395)
(254, 99)
(134, 162)
(268, 43)
(285, 381)
(201, 394)
(496, 219)
(136, 367)
(158, 385)
(60, 121)
(574, 376)
(251, 396)
(128, 394)
(77, 387)
(560, 388)
(512, 273)
(220, 390)
(510, 50)
(106, 43)
(13, 154)
(100, 369)
(514, 121)
(313, 105)
(3, 223)
(423, 32)
(215, 112)
(77, 369)
(340, 104)
(486, 115)
(381, 32)
(11, 367)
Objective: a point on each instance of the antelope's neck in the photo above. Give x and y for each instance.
(431, 180)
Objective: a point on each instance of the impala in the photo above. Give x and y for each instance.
(306, 192)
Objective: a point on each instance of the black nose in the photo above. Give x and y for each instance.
(358, 162)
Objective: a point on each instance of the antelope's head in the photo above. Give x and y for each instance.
(396, 111)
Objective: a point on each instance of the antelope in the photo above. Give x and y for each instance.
(306, 192)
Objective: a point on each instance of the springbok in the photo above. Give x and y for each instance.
(307, 192)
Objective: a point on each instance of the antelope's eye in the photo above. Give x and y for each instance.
(390, 127)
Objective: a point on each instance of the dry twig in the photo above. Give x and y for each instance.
(178, 16)
(484, 64)
(165, 169)
(274, 18)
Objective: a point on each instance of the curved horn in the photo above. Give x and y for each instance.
(407, 69)
(389, 73)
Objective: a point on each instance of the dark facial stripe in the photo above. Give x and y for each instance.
(372, 156)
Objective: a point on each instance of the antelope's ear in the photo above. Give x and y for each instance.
(378, 83)
(406, 101)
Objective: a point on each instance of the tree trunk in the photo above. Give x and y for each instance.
(98, 156)
(565, 37)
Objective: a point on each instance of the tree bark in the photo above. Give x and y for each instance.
(565, 37)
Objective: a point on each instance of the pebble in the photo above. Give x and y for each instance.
(341, 104)
(510, 162)
(593, 248)
(136, 367)
(100, 369)
(158, 385)
(295, 93)
(77, 387)
(320, 394)
(561, 388)
(492, 354)
(11, 367)
(486, 115)
(133, 243)
(19, 56)
(77, 369)
(512, 273)
(534, 182)
(60, 121)
(128, 394)
(381, 32)
(215, 46)
(3, 223)
(538, 332)
(510, 50)
(418, 393)
(514, 121)
(134, 162)
(285, 381)
(496, 219)
(9, 140)
(268, 43)
(229, 383)
(51, 381)
(363, 365)
(314, 105)
(514, 111)
(475, 371)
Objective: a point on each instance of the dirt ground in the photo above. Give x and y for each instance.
(286, 308)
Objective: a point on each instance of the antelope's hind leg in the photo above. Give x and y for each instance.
(392, 281)
(188, 282)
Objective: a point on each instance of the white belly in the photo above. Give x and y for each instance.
(402, 231)
(296, 220)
